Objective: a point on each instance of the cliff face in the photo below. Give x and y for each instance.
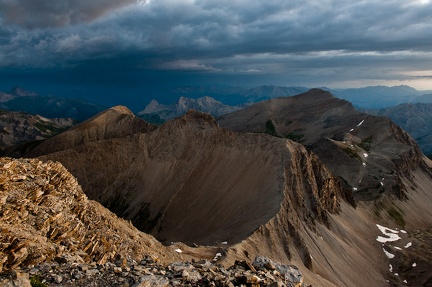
(44, 214)
(368, 153)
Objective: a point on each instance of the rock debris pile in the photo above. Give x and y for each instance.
(147, 272)
(45, 214)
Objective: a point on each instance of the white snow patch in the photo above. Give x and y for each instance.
(355, 188)
(351, 130)
(403, 231)
(396, 274)
(217, 256)
(365, 155)
(409, 244)
(360, 123)
(364, 164)
(388, 254)
(405, 281)
(382, 184)
(414, 264)
(398, 248)
(178, 250)
(224, 242)
(390, 233)
(43, 118)
(391, 268)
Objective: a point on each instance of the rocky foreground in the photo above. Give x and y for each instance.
(52, 235)
(147, 272)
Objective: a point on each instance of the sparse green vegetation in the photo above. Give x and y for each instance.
(352, 153)
(35, 282)
(270, 128)
(48, 128)
(397, 215)
(366, 144)
(295, 137)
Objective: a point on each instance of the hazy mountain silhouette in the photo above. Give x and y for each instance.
(22, 100)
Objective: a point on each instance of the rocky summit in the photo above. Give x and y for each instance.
(51, 234)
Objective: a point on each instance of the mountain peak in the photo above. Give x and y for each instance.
(115, 122)
(122, 110)
(204, 104)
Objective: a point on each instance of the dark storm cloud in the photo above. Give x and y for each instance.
(56, 13)
(275, 37)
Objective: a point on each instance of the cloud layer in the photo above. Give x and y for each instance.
(320, 40)
(56, 13)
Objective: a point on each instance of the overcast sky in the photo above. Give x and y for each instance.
(130, 46)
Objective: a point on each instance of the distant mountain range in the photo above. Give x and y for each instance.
(19, 99)
(159, 113)
(377, 97)
(233, 95)
(373, 97)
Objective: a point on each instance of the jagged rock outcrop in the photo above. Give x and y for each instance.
(45, 215)
(369, 153)
(54, 234)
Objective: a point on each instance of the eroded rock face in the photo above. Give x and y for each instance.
(44, 214)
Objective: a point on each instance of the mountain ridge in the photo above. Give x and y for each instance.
(193, 180)
(363, 150)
